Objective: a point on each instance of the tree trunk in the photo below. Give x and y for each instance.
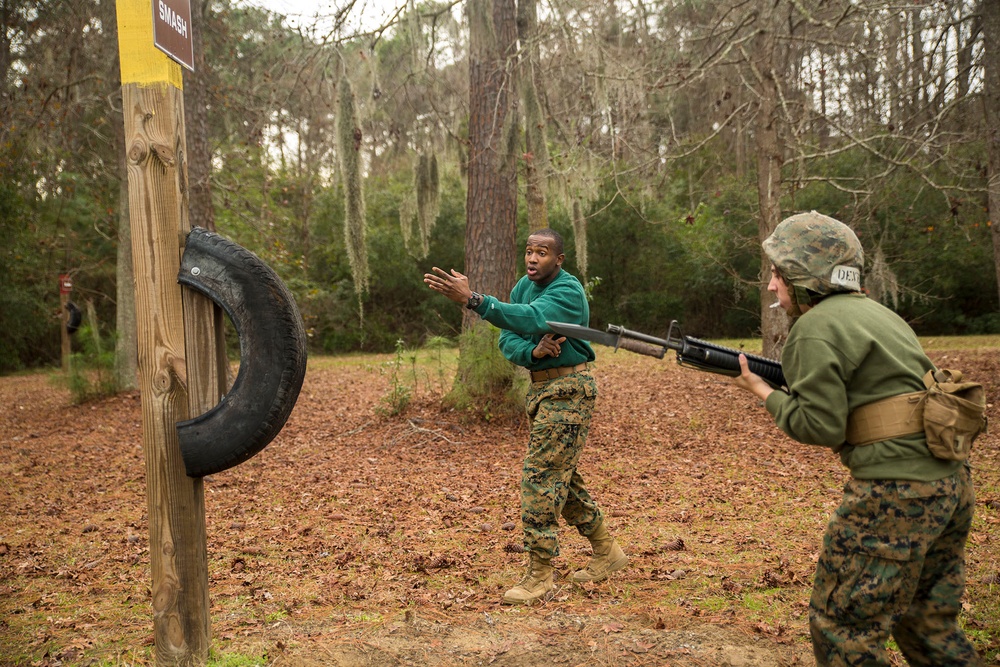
(5, 65)
(896, 79)
(921, 73)
(126, 347)
(535, 140)
(991, 67)
(126, 350)
(216, 375)
(774, 324)
(491, 204)
(199, 153)
(965, 62)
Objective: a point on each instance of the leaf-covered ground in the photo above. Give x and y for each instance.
(358, 538)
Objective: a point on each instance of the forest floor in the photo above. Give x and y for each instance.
(362, 538)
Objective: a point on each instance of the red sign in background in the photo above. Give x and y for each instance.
(65, 284)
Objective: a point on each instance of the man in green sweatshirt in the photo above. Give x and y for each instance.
(893, 556)
(560, 403)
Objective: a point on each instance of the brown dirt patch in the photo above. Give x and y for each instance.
(355, 539)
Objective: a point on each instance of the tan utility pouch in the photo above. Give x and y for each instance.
(954, 414)
(950, 412)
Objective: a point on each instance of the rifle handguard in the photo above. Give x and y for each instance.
(705, 356)
(641, 348)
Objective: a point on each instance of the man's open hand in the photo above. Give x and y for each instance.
(453, 285)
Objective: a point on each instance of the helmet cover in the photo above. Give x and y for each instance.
(816, 254)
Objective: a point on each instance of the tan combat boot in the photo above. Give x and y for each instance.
(536, 583)
(608, 557)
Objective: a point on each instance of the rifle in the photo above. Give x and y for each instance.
(691, 352)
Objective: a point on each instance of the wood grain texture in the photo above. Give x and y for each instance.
(154, 136)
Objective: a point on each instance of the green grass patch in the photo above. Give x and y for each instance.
(236, 660)
(713, 604)
(929, 343)
(934, 343)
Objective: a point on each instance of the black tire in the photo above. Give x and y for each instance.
(272, 354)
(75, 318)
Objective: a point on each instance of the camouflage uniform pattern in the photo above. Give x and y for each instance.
(560, 410)
(893, 562)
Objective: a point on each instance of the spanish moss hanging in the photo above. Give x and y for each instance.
(349, 151)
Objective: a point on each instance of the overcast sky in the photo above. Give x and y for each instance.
(303, 13)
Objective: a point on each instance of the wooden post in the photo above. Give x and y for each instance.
(65, 287)
(152, 102)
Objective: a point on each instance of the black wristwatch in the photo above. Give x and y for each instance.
(474, 301)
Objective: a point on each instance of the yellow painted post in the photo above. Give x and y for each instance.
(153, 107)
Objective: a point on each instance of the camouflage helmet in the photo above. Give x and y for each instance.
(817, 255)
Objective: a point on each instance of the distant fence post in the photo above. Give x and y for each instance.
(65, 287)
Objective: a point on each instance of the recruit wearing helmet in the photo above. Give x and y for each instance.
(817, 256)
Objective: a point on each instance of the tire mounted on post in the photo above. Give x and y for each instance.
(272, 354)
(74, 318)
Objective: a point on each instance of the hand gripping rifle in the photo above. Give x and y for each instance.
(691, 352)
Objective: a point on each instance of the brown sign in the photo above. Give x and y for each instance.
(65, 284)
(172, 30)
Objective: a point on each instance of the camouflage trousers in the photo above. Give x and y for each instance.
(893, 563)
(560, 411)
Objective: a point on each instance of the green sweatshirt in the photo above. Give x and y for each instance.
(843, 353)
(523, 320)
